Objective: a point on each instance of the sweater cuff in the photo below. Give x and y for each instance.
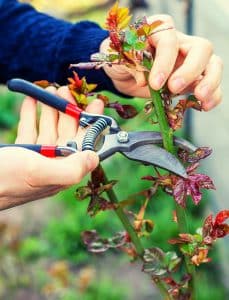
(72, 51)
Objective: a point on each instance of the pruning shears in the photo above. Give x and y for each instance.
(142, 146)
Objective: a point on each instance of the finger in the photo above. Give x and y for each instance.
(48, 123)
(194, 64)
(43, 171)
(27, 127)
(95, 107)
(211, 79)
(140, 79)
(166, 44)
(213, 100)
(67, 125)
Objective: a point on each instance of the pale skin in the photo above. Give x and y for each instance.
(186, 62)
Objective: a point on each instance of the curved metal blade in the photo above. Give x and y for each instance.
(153, 155)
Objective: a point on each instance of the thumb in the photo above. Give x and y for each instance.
(66, 171)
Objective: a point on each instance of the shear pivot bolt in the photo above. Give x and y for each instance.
(122, 137)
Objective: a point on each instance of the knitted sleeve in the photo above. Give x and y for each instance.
(35, 46)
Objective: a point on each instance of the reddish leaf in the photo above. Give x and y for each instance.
(220, 231)
(176, 114)
(118, 18)
(89, 236)
(75, 82)
(195, 156)
(183, 238)
(208, 225)
(97, 177)
(203, 181)
(180, 192)
(124, 111)
(45, 83)
(116, 42)
(221, 217)
(193, 189)
(104, 98)
(201, 256)
(80, 89)
(98, 204)
(191, 168)
(213, 229)
(150, 178)
(147, 29)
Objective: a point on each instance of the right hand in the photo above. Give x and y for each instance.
(25, 175)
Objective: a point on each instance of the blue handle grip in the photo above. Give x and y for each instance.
(32, 90)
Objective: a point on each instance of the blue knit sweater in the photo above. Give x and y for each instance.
(35, 46)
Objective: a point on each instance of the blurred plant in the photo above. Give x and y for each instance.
(129, 47)
(8, 105)
(65, 284)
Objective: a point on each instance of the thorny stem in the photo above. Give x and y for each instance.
(167, 135)
(133, 236)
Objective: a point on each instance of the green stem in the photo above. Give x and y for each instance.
(134, 237)
(166, 131)
(126, 223)
(167, 135)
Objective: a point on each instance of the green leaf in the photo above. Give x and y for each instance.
(112, 57)
(131, 37)
(192, 98)
(187, 249)
(139, 46)
(127, 47)
(147, 63)
(172, 261)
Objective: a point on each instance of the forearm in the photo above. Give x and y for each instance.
(35, 46)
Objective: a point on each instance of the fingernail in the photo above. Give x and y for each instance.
(204, 90)
(178, 84)
(91, 160)
(159, 80)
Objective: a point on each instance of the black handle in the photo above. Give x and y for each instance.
(32, 90)
(36, 148)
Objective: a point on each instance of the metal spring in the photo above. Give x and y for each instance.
(92, 133)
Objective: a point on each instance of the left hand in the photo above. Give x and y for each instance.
(187, 63)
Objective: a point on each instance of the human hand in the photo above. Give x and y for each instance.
(186, 63)
(25, 175)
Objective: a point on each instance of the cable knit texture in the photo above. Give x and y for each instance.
(35, 46)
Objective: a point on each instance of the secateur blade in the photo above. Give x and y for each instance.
(153, 155)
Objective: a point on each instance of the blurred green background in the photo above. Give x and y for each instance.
(41, 252)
